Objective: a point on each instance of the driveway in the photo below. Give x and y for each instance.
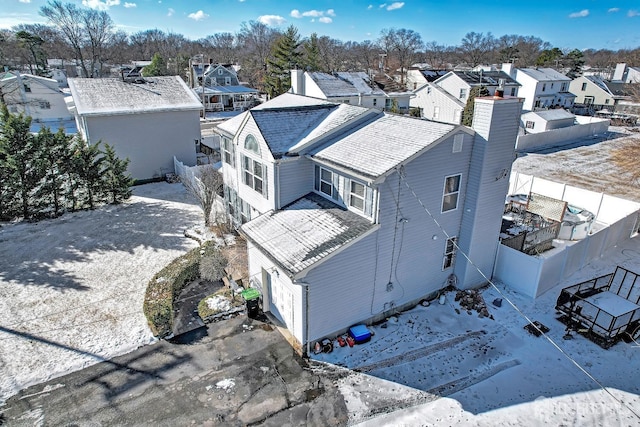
(235, 372)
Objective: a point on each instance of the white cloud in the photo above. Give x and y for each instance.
(370, 7)
(325, 20)
(581, 14)
(25, 1)
(198, 16)
(395, 5)
(331, 12)
(273, 20)
(295, 13)
(383, 5)
(614, 9)
(100, 5)
(170, 11)
(129, 5)
(633, 13)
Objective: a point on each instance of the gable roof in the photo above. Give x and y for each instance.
(110, 96)
(551, 115)
(332, 86)
(305, 232)
(374, 149)
(487, 78)
(544, 74)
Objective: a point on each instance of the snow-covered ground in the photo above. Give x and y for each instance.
(434, 366)
(71, 288)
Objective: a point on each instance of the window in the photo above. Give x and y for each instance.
(436, 112)
(563, 88)
(375, 102)
(536, 104)
(551, 85)
(513, 91)
(27, 88)
(415, 85)
(227, 81)
(451, 191)
(220, 71)
(253, 175)
(428, 89)
(324, 182)
(529, 124)
(606, 101)
(544, 87)
(45, 105)
(463, 93)
(228, 152)
(584, 87)
(356, 195)
(449, 252)
(251, 144)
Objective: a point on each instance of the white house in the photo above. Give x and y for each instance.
(355, 88)
(596, 93)
(626, 74)
(543, 121)
(445, 98)
(148, 121)
(418, 77)
(351, 213)
(38, 97)
(541, 88)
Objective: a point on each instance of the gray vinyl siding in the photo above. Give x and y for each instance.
(487, 187)
(295, 179)
(427, 99)
(352, 286)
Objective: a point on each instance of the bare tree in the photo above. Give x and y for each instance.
(222, 47)
(476, 48)
(99, 31)
(212, 264)
(404, 45)
(254, 41)
(68, 18)
(205, 187)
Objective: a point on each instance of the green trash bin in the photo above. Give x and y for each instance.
(251, 298)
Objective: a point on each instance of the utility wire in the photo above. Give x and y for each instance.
(512, 304)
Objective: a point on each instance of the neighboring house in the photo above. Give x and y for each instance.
(219, 89)
(351, 214)
(542, 121)
(38, 97)
(445, 98)
(148, 120)
(596, 93)
(355, 88)
(418, 77)
(626, 74)
(541, 88)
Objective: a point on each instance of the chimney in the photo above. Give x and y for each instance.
(495, 121)
(297, 82)
(618, 74)
(507, 67)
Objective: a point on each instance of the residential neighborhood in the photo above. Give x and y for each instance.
(269, 228)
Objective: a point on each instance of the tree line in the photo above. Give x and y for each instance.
(89, 38)
(45, 174)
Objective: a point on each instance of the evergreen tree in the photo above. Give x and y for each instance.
(158, 67)
(116, 182)
(55, 155)
(284, 57)
(18, 148)
(87, 165)
(311, 54)
(467, 113)
(575, 61)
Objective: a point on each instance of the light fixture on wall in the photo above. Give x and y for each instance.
(434, 237)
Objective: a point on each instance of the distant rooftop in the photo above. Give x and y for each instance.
(545, 74)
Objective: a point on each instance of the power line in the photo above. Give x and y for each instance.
(553, 343)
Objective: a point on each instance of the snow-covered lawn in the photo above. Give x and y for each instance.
(435, 366)
(71, 289)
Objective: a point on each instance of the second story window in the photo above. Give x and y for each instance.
(356, 195)
(251, 144)
(228, 152)
(584, 87)
(513, 91)
(451, 192)
(529, 124)
(463, 93)
(563, 88)
(544, 87)
(253, 175)
(324, 182)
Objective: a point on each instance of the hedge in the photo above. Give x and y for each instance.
(166, 285)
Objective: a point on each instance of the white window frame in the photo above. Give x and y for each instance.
(449, 252)
(251, 176)
(320, 180)
(584, 87)
(530, 124)
(227, 81)
(448, 194)
(436, 112)
(228, 152)
(458, 140)
(463, 92)
(354, 197)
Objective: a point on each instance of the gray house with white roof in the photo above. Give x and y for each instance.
(148, 120)
(351, 213)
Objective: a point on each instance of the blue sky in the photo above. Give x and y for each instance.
(609, 24)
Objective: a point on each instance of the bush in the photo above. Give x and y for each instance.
(165, 286)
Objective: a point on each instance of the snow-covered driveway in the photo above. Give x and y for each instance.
(71, 289)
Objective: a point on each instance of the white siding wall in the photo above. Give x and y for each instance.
(527, 90)
(452, 84)
(352, 286)
(427, 99)
(600, 97)
(311, 88)
(295, 179)
(149, 140)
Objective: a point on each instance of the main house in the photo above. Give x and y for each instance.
(351, 213)
(147, 120)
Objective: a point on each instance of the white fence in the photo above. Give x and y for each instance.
(586, 127)
(617, 220)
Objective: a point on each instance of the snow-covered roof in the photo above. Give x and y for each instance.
(375, 149)
(551, 115)
(225, 90)
(332, 86)
(305, 232)
(232, 125)
(361, 81)
(114, 96)
(10, 77)
(544, 74)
